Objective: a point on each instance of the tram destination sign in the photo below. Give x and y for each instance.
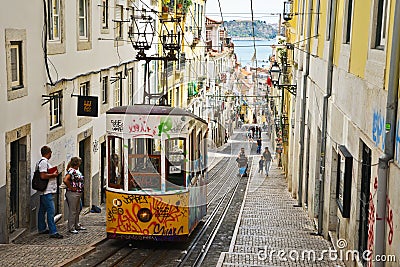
(88, 106)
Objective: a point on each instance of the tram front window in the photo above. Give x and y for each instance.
(175, 165)
(144, 163)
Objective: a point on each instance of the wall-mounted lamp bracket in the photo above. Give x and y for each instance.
(291, 88)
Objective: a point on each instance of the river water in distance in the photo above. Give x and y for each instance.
(244, 50)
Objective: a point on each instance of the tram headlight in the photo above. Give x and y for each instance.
(144, 215)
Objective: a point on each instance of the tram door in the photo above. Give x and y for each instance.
(17, 171)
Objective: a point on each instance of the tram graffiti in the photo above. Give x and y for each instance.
(168, 213)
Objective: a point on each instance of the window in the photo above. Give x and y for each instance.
(329, 19)
(317, 10)
(16, 65)
(84, 88)
(119, 15)
(381, 25)
(104, 16)
(55, 109)
(104, 89)
(83, 19)
(348, 21)
(208, 35)
(144, 163)
(54, 20)
(118, 90)
(130, 86)
(303, 17)
(116, 163)
(175, 164)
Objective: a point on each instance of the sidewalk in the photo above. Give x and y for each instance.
(270, 231)
(40, 250)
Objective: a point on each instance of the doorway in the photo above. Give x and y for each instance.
(18, 173)
(85, 155)
(364, 198)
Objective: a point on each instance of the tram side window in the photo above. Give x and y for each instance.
(115, 171)
(176, 155)
(144, 163)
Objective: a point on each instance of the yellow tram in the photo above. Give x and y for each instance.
(157, 172)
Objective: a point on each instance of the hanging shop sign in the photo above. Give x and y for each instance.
(88, 106)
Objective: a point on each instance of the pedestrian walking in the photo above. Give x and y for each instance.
(268, 158)
(74, 182)
(259, 142)
(242, 162)
(46, 197)
(261, 165)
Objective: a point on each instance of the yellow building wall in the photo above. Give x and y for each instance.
(360, 37)
(322, 27)
(339, 30)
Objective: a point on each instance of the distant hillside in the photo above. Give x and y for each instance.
(243, 29)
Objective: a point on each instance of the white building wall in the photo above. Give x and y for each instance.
(26, 118)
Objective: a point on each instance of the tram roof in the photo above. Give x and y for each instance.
(143, 109)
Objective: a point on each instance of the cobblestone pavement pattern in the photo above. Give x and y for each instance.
(271, 231)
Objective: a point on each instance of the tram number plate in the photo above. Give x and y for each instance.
(175, 169)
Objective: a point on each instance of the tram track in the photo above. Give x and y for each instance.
(204, 239)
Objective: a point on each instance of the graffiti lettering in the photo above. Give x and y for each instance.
(378, 126)
(164, 212)
(389, 221)
(141, 128)
(371, 224)
(158, 229)
(371, 220)
(135, 198)
(117, 125)
(95, 146)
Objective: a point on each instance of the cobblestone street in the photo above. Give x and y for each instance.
(271, 230)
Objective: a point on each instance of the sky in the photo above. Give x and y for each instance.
(240, 10)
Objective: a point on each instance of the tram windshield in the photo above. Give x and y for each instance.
(144, 167)
(144, 163)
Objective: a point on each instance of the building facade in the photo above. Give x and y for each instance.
(344, 157)
(55, 51)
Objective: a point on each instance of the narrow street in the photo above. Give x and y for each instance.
(261, 227)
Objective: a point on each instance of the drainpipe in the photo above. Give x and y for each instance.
(304, 105)
(391, 118)
(325, 115)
